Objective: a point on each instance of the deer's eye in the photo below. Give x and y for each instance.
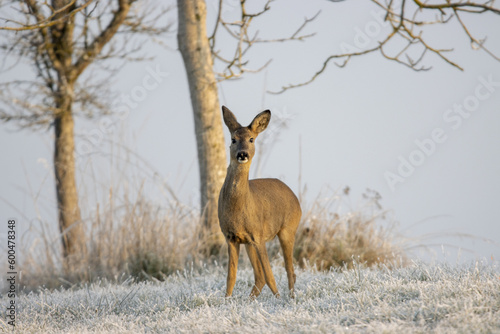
(251, 140)
(233, 141)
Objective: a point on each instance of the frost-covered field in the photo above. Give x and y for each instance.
(417, 299)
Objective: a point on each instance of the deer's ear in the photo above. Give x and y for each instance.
(260, 121)
(230, 120)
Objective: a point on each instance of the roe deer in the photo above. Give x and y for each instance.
(254, 212)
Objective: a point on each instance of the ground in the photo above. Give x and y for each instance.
(419, 298)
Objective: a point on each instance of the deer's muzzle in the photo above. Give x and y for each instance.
(242, 157)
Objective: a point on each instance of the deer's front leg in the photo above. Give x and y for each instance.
(233, 249)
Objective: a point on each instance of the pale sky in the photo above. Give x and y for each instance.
(428, 142)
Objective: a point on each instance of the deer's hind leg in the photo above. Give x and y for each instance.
(287, 241)
(266, 267)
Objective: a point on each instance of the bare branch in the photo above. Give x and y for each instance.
(404, 23)
(49, 21)
(295, 36)
(28, 108)
(473, 40)
(347, 57)
(146, 22)
(211, 38)
(236, 64)
(467, 6)
(98, 43)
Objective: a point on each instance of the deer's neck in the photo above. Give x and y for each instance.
(236, 185)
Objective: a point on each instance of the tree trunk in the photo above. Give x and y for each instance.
(70, 223)
(194, 47)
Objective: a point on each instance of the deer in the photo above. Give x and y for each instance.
(253, 212)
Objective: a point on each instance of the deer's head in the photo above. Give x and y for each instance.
(242, 147)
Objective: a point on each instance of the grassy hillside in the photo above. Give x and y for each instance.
(418, 298)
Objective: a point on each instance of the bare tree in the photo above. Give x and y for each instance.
(202, 60)
(195, 50)
(409, 20)
(61, 39)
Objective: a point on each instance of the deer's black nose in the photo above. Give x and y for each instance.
(242, 156)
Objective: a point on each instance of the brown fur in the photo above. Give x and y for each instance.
(256, 211)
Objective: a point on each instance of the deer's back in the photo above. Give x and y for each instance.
(275, 200)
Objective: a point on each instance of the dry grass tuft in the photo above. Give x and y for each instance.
(331, 236)
(141, 240)
(126, 238)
